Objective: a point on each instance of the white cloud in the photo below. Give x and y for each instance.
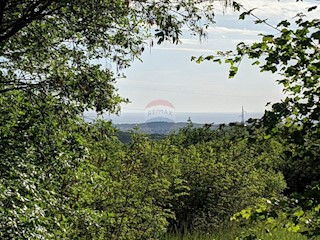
(276, 9)
(189, 41)
(282, 8)
(234, 31)
(186, 49)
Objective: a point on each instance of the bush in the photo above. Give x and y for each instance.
(224, 176)
(62, 178)
(37, 156)
(124, 191)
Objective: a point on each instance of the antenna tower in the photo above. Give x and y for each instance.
(242, 116)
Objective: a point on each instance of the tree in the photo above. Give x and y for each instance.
(41, 146)
(50, 71)
(57, 45)
(224, 172)
(294, 54)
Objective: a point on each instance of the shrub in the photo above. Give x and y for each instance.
(224, 176)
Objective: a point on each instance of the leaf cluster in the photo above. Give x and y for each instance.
(60, 47)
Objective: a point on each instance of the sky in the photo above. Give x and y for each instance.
(167, 72)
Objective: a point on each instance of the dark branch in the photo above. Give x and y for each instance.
(35, 11)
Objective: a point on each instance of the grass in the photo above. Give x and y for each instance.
(279, 234)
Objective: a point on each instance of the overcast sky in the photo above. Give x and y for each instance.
(167, 72)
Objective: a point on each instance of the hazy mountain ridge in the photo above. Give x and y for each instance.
(157, 127)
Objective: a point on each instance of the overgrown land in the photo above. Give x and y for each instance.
(63, 178)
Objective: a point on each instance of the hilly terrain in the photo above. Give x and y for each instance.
(162, 128)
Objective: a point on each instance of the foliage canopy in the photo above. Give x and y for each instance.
(57, 46)
(293, 53)
(62, 178)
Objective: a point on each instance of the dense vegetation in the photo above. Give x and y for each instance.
(63, 178)
(294, 54)
(74, 180)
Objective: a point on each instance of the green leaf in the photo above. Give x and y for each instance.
(244, 14)
(268, 38)
(229, 60)
(312, 8)
(284, 23)
(267, 137)
(246, 213)
(299, 213)
(233, 71)
(200, 60)
(218, 60)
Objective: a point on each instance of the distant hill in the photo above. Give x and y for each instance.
(163, 128)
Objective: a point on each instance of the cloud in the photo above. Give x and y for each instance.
(275, 9)
(190, 41)
(185, 49)
(219, 38)
(282, 8)
(234, 31)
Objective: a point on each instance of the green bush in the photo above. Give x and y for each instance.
(62, 178)
(123, 191)
(224, 175)
(37, 156)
